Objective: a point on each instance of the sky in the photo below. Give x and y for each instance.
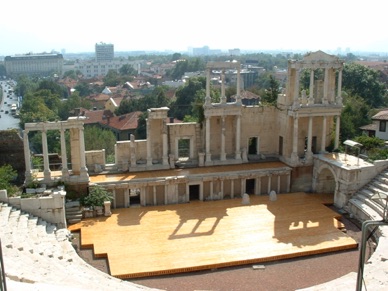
(175, 25)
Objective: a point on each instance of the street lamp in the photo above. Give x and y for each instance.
(352, 144)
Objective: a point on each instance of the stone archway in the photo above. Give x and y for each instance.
(325, 181)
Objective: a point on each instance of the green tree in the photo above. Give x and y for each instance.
(127, 70)
(186, 95)
(354, 115)
(7, 176)
(112, 79)
(98, 139)
(272, 91)
(364, 82)
(141, 130)
(25, 85)
(84, 89)
(74, 101)
(53, 87)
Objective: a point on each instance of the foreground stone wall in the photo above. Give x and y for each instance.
(50, 208)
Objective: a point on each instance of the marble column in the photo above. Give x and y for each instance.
(337, 132)
(208, 154)
(65, 170)
(232, 188)
(339, 88)
(309, 153)
(278, 184)
(323, 140)
(27, 154)
(154, 194)
(238, 88)
(326, 87)
(269, 183)
(257, 186)
(238, 138)
(165, 146)
(222, 189)
(114, 198)
(223, 97)
(46, 163)
(311, 88)
(296, 88)
(207, 97)
(223, 154)
(288, 183)
(243, 186)
(294, 154)
(211, 190)
(149, 147)
(83, 170)
(126, 198)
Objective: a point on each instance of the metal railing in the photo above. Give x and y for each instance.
(3, 284)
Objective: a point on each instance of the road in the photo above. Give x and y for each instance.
(7, 121)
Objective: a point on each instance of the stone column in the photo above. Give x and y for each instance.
(294, 154)
(165, 146)
(337, 132)
(243, 186)
(114, 198)
(126, 198)
(232, 188)
(46, 164)
(154, 194)
(309, 153)
(83, 170)
(257, 186)
(269, 183)
(165, 194)
(238, 137)
(149, 153)
(222, 189)
(143, 201)
(208, 100)
(223, 97)
(288, 183)
(208, 154)
(311, 88)
(326, 87)
(339, 88)
(278, 184)
(223, 154)
(296, 89)
(27, 154)
(211, 190)
(238, 88)
(323, 142)
(65, 170)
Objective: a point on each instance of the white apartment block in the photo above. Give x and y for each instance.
(104, 52)
(34, 64)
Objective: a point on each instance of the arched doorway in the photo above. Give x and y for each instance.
(326, 182)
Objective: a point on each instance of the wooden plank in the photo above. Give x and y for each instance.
(147, 241)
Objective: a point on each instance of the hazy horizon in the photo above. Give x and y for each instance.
(170, 25)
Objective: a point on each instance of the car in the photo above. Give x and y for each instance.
(5, 102)
(6, 112)
(1, 110)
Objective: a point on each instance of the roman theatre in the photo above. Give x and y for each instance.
(248, 184)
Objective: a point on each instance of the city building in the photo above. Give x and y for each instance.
(104, 52)
(45, 64)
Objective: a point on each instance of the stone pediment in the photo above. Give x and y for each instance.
(319, 56)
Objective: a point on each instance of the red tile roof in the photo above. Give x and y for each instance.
(382, 115)
(123, 122)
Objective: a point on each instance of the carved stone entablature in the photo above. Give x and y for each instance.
(158, 113)
(223, 110)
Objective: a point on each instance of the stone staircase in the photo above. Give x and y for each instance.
(73, 212)
(38, 256)
(362, 204)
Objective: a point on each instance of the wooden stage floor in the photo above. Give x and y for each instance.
(157, 240)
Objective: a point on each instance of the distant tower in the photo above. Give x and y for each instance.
(104, 52)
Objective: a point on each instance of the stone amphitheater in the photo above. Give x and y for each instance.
(38, 256)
